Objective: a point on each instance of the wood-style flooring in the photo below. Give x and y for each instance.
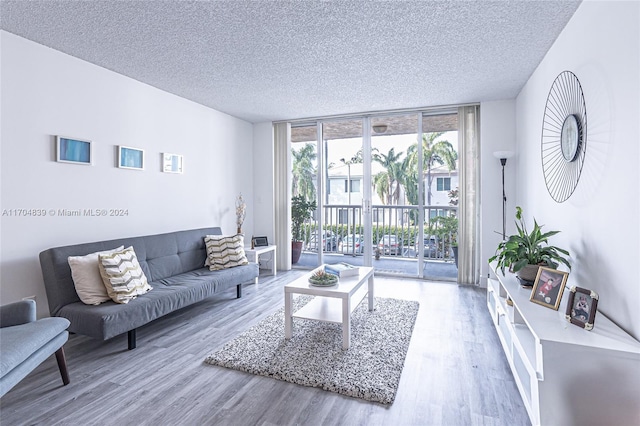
(455, 372)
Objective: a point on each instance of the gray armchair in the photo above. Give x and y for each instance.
(25, 343)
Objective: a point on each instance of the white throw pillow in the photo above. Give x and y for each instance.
(225, 252)
(122, 275)
(86, 277)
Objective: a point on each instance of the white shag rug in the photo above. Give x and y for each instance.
(369, 369)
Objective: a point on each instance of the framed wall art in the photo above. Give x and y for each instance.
(72, 150)
(548, 287)
(130, 158)
(172, 163)
(582, 307)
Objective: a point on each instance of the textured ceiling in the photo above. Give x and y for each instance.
(277, 60)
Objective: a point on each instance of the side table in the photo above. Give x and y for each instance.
(253, 255)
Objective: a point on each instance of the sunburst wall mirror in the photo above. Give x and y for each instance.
(564, 136)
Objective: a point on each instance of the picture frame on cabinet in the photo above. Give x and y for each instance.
(74, 151)
(172, 163)
(582, 307)
(130, 158)
(548, 287)
(259, 242)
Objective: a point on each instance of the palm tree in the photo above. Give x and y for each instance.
(394, 174)
(433, 153)
(381, 186)
(304, 171)
(411, 180)
(355, 159)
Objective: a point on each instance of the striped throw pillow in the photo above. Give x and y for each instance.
(87, 279)
(122, 275)
(225, 252)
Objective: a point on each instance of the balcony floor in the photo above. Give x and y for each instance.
(433, 269)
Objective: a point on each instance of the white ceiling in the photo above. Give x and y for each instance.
(276, 60)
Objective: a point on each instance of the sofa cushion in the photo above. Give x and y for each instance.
(169, 294)
(122, 275)
(19, 342)
(225, 252)
(87, 279)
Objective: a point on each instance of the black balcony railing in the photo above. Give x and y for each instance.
(395, 231)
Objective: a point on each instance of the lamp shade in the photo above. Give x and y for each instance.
(503, 154)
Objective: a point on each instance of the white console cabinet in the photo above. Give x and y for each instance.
(566, 375)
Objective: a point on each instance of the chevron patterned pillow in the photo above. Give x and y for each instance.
(122, 275)
(225, 252)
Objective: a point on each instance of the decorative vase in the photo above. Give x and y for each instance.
(239, 230)
(528, 273)
(296, 250)
(455, 254)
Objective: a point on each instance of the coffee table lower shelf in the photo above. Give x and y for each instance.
(327, 309)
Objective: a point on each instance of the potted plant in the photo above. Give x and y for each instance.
(524, 252)
(445, 228)
(454, 247)
(301, 210)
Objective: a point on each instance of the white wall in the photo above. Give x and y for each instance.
(47, 93)
(599, 223)
(497, 133)
(263, 182)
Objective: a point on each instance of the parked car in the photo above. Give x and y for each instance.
(390, 244)
(352, 244)
(430, 247)
(329, 241)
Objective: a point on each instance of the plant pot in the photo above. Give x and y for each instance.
(296, 250)
(528, 273)
(455, 254)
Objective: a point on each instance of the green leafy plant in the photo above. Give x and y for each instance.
(445, 228)
(301, 210)
(528, 248)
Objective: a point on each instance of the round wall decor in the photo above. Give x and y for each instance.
(564, 136)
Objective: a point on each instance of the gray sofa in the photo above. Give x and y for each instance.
(27, 342)
(174, 266)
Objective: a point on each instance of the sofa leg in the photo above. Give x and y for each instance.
(132, 339)
(62, 365)
(239, 287)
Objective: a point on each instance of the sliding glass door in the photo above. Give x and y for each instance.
(304, 183)
(385, 188)
(395, 208)
(344, 194)
(440, 178)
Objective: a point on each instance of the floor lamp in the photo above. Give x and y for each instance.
(502, 156)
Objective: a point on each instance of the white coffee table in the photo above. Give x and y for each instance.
(331, 304)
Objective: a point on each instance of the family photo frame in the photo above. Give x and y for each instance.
(582, 307)
(548, 287)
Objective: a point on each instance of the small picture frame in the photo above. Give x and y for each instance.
(582, 307)
(74, 151)
(548, 287)
(260, 242)
(130, 158)
(172, 163)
